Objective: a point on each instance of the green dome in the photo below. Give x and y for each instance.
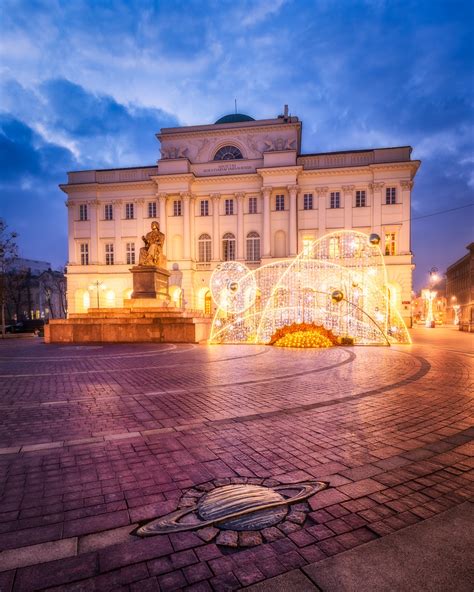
(235, 118)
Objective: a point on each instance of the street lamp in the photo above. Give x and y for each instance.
(429, 295)
(98, 285)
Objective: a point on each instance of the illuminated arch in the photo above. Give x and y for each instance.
(346, 261)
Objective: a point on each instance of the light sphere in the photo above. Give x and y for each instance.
(374, 239)
(337, 296)
(233, 287)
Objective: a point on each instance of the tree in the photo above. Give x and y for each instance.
(8, 251)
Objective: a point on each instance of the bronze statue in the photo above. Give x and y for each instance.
(152, 252)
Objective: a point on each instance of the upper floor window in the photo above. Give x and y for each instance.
(308, 201)
(129, 211)
(253, 246)
(108, 212)
(83, 212)
(390, 243)
(177, 207)
(109, 254)
(228, 247)
(84, 254)
(152, 209)
(252, 205)
(280, 203)
(204, 207)
(204, 248)
(361, 201)
(335, 199)
(390, 195)
(130, 253)
(229, 207)
(228, 153)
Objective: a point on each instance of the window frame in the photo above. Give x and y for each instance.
(229, 247)
(360, 198)
(253, 247)
(204, 207)
(280, 202)
(130, 253)
(390, 196)
(84, 253)
(108, 212)
(229, 207)
(109, 254)
(253, 207)
(177, 207)
(308, 201)
(83, 213)
(204, 248)
(335, 200)
(130, 211)
(152, 209)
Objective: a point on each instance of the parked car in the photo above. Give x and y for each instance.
(29, 326)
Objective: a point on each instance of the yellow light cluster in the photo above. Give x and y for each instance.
(303, 339)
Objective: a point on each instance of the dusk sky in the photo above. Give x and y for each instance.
(88, 84)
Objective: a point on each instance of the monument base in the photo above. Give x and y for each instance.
(150, 282)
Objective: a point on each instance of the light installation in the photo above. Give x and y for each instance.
(339, 281)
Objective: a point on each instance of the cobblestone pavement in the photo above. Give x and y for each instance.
(95, 440)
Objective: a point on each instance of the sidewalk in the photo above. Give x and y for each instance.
(436, 555)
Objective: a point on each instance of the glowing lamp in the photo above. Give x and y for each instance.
(374, 239)
(337, 296)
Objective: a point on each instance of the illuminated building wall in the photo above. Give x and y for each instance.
(238, 190)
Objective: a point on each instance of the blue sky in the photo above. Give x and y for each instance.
(86, 84)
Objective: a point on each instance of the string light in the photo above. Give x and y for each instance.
(339, 282)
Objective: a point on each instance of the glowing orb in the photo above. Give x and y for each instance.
(337, 296)
(233, 287)
(374, 239)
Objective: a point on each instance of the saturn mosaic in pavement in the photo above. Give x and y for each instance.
(239, 505)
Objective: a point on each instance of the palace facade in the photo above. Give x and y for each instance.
(239, 189)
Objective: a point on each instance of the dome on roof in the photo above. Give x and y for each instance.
(235, 118)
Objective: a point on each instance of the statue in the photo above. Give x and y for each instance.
(152, 252)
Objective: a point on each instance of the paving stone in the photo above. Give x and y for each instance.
(40, 553)
(228, 538)
(249, 539)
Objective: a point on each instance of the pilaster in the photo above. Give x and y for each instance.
(186, 199)
(239, 198)
(292, 229)
(376, 198)
(348, 202)
(266, 193)
(216, 198)
(162, 197)
(322, 193)
(404, 246)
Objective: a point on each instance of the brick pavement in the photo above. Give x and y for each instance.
(95, 440)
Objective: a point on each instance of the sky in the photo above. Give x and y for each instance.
(87, 84)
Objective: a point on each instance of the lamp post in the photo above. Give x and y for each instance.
(97, 285)
(429, 295)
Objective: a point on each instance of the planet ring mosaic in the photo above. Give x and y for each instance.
(235, 507)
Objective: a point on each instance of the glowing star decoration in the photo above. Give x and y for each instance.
(339, 281)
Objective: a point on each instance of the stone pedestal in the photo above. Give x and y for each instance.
(150, 282)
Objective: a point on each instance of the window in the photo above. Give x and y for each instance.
(204, 207)
(252, 205)
(307, 242)
(229, 207)
(253, 246)
(109, 254)
(208, 303)
(177, 207)
(390, 195)
(129, 211)
(108, 212)
(308, 201)
(130, 252)
(334, 248)
(83, 212)
(228, 153)
(360, 199)
(152, 209)
(204, 248)
(228, 247)
(335, 199)
(390, 243)
(280, 203)
(84, 254)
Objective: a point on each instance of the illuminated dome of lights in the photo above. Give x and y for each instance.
(339, 282)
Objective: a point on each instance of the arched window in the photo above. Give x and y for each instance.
(208, 303)
(204, 248)
(228, 247)
(253, 246)
(228, 153)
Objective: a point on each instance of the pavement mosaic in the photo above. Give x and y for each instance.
(97, 440)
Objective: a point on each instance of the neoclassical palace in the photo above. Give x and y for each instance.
(239, 189)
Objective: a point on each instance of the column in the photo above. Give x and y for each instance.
(292, 229)
(162, 200)
(94, 255)
(216, 240)
(322, 193)
(73, 255)
(376, 190)
(239, 198)
(118, 215)
(186, 227)
(266, 191)
(404, 246)
(192, 219)
(348, 203)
